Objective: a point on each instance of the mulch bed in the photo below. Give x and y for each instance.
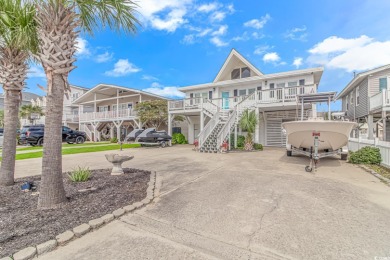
(22, 224)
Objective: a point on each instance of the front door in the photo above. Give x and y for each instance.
(225, 100)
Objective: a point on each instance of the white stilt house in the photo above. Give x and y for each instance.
(107, 111)
(213, 110)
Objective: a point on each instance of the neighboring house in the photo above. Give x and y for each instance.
(71, 111)
(26, 99)
(216, 107)
(366, 100)
(107, 111)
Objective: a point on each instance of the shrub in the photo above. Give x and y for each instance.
(80, 174)
(240, 140)
(114, 140)
(258, 146)
(366, 155)
(179, 138)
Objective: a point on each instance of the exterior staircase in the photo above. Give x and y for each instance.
(218, 129)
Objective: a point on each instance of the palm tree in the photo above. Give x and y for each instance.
(59, 23)
(27, 111)
(17, 39)
(248, 123)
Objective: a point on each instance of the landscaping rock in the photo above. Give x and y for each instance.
(65, 237)
(46, 247)
(129, 208)
(95, 223)
(119, 212)
(25, 254)
(137, 205)
(145, 201)
(107, 218)
(81, 230)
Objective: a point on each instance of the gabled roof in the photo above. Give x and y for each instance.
(235, 59)
(358, 78)
(101, 88)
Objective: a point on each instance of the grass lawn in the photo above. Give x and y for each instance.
(77, 150)
(28, 148)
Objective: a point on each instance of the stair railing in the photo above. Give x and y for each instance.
(204, 134)
(210, 106)
(234, 116)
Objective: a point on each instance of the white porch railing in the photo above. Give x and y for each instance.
(355, 144)
(379, 100)
(108, 115)
(88, 132)
(278, 95)
(70, 118)
(209, 127)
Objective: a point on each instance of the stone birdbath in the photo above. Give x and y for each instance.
(117, 161)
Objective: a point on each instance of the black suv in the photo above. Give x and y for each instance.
(26, 130)
(68, 135)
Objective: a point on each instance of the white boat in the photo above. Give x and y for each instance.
(332, 135)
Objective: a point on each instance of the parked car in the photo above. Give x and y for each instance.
(26, 130)
(68, 135)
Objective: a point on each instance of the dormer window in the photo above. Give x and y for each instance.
(240, 73)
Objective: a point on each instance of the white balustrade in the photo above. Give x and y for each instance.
(108, 115)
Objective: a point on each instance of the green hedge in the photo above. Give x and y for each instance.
(240, 140)
(366, 155)
(178, 138)
(258, 147)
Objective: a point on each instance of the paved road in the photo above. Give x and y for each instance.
(259, 205)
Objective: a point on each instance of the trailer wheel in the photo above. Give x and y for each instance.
(308, 169)
(163, 144)
(289, 153)
(344, 156)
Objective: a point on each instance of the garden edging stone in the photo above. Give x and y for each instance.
(63, 238)
(371, 171)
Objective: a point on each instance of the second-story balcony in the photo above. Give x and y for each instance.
(70, 118)
(380, 101)
(263, 98)
(123, 114)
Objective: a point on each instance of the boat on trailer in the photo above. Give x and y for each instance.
(316, 137)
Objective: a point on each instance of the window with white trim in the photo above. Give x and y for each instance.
(346, 102)
(251, 91)
(242, 92)
(280, 85)
(292, 84)
(357, 96)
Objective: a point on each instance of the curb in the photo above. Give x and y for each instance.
(31, 252)
(371, 171)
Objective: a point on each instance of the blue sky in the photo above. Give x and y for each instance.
(185, 42)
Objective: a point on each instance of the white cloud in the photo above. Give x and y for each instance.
(36, 72)
(243, 37)
(204, 32)
(165, 15)
(261, 49)
(188, 39)
(298, 62)
(149, 77)
(218, 42)
(217, 16)
(82, 47)
(298, 33)
(355, 54)
(257, 35)
(258, 23)
(122, 68)
(161, 90)
(271, 57)
(336, 44)
(206, 8)
(221, 31)
(104, 57)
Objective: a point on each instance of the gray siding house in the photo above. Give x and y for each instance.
(366, 100)
(26, 99)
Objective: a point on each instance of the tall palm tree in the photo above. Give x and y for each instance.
(248, 123)
(27, 112)
(17, 39)
(59, 23)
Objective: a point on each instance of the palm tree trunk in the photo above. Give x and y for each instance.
(11, 109)
(52, 192)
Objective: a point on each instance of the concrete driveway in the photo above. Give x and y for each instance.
(259, 205)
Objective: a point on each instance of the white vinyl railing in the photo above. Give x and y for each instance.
(355, 144)
(88, 132)
(109, 115)
(70, 118)
(277, 95)
(245, 103)
(204, 134)
(379, 100)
